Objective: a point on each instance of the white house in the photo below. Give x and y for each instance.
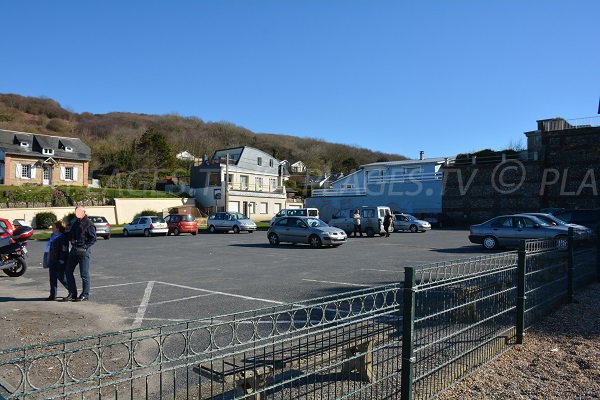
(185, 156)
(298, 167)
(413, 186)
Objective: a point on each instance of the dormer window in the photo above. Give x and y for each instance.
(48, 152)
(24, 144)
(69, 149)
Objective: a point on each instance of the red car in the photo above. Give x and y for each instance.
(179, 224)
(7, 226)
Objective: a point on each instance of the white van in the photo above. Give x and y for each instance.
(371, 220)
(296, 212)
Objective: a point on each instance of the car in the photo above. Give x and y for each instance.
(102, 227)
(510, 230)
(407, 222)
(230, 221)
(588, 218)
(371, 219)
(296, 212)
(7, 226)
(305, 230)
(178, 224)
(147, 226)
(579, 231)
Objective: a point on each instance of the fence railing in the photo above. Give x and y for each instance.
(397, 341)
(560, 124)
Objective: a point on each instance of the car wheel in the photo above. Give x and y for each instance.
(212, 229)
(414, 229)
(106, 237)
(236, 229)
(562, 242)
(176, 232)
(273, 239)
(194, 233)
(147, 233)
(250, 231)
(314, 241)
(490, 242)
(370, 232)
(125, 232)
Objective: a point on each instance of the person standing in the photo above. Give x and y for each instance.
(387, 222)
(357, 226)
(82, 236)
(56, 258)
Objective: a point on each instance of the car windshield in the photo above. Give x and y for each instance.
(97, 220)
(316, 223)
(236, 215)
(550, 219)
(157, 219)
(410, 217)
(540, 221)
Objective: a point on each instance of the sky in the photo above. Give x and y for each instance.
(443, 76)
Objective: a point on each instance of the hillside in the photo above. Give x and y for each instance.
(111, 135)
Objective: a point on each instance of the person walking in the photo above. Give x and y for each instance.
(387, 222)
(82, 236)
(56, 258)
(357, 226)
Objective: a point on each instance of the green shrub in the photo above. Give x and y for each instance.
(148, 213)
(44, 219)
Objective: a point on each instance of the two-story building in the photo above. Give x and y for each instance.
(413, 186)
(242, 179)
(31, 158)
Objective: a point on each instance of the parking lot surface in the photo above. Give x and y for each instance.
(161, 279)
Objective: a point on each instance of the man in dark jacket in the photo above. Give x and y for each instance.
(82, 236)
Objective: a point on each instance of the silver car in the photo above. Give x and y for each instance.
(102, 227)
(407, 222)
(305, 230)
(509, 230)
(230, 221)
(580, 232)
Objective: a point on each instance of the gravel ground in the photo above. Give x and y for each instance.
(559, 360)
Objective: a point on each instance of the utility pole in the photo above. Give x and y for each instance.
(227, 182)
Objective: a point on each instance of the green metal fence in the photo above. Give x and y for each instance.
(397, 341)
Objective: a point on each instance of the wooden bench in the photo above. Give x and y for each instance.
(357, 342)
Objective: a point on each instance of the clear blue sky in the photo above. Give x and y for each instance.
(440, 76)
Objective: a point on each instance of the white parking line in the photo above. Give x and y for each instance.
(139, 316)
(382, 270)
(182, 299)
(222, 293)
(336, 283)
(119, 284)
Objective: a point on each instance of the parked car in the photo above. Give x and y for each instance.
(178, 224)
(371, 220)
(147, 226)
(102, 227)
(7, 226)
(509, 230)
(296, 212)
(579, 231)
(588, 218)
(305, 230)
(407, 222)
(230, 221)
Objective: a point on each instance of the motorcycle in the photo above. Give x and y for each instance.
(13, 250)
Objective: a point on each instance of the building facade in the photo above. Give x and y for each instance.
(241, 179)
(413, 186)
(34, 159)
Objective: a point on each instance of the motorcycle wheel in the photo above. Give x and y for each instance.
(18, 269)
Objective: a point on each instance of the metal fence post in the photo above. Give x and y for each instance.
(570, 266)
(598, 254)
(408, 330)
(521, 281)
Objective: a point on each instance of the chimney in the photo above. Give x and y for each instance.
(421, 155)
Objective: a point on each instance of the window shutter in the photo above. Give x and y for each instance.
(62, 173)
(19, 170)
(74, 173)
(32, 169)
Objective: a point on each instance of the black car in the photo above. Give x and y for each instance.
(589, 218)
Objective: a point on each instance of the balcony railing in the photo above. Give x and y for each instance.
(267, 188)
(423, 176)
(560, 124)
(338, 192)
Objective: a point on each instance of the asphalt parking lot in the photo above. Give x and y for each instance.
(161, 279)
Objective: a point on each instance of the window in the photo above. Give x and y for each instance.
(69, 149)
(258, 183)
(251, 207)
(48, 152)
(270, 162)
(214, 179)
(244, 181)
(342, 214)
(230, 179)
(69, 173)
(24, 144)
(26, 171)
(259, 161)
(282, 222)
(368, 213)
(264, 208)
(348, 186)
(503, 222)
(273, 183)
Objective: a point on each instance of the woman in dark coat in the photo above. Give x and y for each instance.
(57, 258)
(387, 222)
